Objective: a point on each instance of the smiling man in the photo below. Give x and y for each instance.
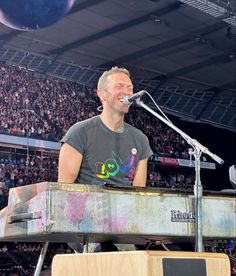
(105, 149)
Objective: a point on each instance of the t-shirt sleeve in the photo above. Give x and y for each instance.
(75, 137)
(146, 150)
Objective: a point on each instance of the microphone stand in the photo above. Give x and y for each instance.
(198, 149)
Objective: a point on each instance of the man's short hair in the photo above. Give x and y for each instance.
(102, 80)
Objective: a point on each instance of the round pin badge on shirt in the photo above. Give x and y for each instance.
(134, 151)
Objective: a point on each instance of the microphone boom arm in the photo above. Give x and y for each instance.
(194, 143)
(198, 190)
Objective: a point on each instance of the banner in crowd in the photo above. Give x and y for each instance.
(169, 161)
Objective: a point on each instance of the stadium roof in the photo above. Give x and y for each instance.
(183, 52)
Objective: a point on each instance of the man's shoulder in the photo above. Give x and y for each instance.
(91, 122)
(80, 129)
(133, 129)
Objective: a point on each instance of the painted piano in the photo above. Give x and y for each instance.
(57, 212)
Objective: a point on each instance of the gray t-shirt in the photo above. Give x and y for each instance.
(108, 156)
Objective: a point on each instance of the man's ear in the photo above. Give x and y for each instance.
(101, 95)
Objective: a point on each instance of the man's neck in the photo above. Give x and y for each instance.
(114, 122)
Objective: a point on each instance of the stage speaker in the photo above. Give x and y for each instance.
(141, 263)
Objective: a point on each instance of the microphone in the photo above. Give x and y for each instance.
(129, 100)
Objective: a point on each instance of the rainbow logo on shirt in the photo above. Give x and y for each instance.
(115, 165)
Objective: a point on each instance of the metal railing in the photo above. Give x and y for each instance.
(217, 8)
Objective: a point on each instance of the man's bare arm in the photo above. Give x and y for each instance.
(141, 174)
(69, 164)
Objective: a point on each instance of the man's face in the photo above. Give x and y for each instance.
(118, 86)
